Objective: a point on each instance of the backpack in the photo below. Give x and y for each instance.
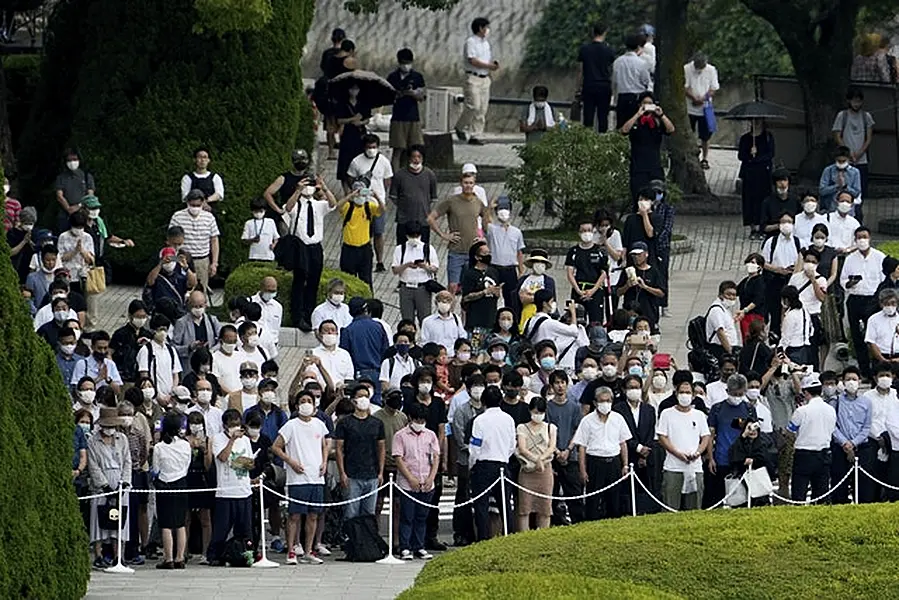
(363, 543)
(238, 552)
(391, 361)
(151, 359)
(696, 338)
(774, 245)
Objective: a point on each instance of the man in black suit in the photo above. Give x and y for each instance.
(641, 420)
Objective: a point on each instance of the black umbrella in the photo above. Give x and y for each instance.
(757, 109)
(374, 90)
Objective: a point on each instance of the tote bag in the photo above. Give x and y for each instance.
(708, 111)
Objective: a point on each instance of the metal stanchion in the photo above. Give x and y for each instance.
(390, 559)
(746, 478)
(119, 567)
(630, 472)
(855, 485)
(264, 562)
(502, 491)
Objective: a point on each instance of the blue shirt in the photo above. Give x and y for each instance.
(853, 419)
(80, 443)
(67, 367)
(89, 367)
(366, 341)
(828, 188)
(720, 418)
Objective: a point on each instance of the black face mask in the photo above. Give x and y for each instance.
(511, 393)
(486, 259)
(99, 356)
(394, 401)
(300, 165)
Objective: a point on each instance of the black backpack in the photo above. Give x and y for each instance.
(238, 552)
(696, 338)
(363, 543)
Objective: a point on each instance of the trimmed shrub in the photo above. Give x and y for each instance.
(579, 169)
(244, 281)
(889, 248)
(137, 89)
(44, 549)
(22, 73)
(782, 552)
(528, 586)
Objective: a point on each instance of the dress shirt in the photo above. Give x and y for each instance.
(459, 398)
(841, 230)
(813, 424)
(198, 231)
(883, 332)
(630, 74)
(415, 252)
(700, 82)
(476, 47)
(493, 437)
(419, 451)
(870, 267)
(796, 329)
(807, 294)
(89, 367)
(272, 314)
(442, 330)
(319, 209)
(804, 225)
(212, 417)
(327, 311)
(172, 460)
(505, 242)
(853, 419)
(785, 253)
(337, 362)
(879, 404)
(891, 422)
(602, 439)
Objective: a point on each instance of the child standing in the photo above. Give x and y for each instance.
(260, 233)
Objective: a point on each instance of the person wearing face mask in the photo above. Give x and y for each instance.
(781, 253)
(567, 337)
(195, 330)
(334, 308)
(203, 396)
(506, 243)
(171, 462)
(248, 396)
(158, 359)
(72, 184)
(360, 211)
(492, 443)
(481, 289)
(127, 340)
(250, 349)
(334, 359)
(415, 261)
(721, 415)
(881, 333)
(643, 290)
(21, 246)
(564, 412)
(466, 212)
(462, 415)
(353, 114)
(360, 454)
(525, 287)
(883, 398)
(372, 172)
(589, 373)
(76, 250)
(200, 474)
(201, 236)
(813, 423)
(273, 417)
(405, 122)
(586, 268)
(226, 360)
(602, 439)
(807, 220)
(262, 464)
(50, 331)
(260, 233)
(98, 366)
(861, 276)
(84, 392)
(444, 327)
(783, 200)
(755, 398)
(536, 446)
(203, 180)
(842, 225)
(537, 117)
(756, 155)
(752, 294)
(272, 311)
(109, 465)
(66, 359)
(840, 177)
(812, 288)
(640, 418)
(98, 228)
(170, 280)
(43, 273)
(644, 225)
(891, 274)
(850, 438)
(684, 434)
(478, 65)
(285, 186)
(413, 190)
(720, 324)
(678, 382)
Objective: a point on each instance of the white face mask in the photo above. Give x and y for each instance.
(417, 427)
(196, 428)
(786, 229)
(819, 242)
(444, 307)
(504, 214)
(329, 340)
(371, 152)
(268, 396)
(752, 268)
(586, 237)
(198, 311)
(810, 207)
(253, 432)
(87, 396)
(73, 165)
(553, 306)
(93, 214)
(634, 395)
(659, 381)
(884, 383)
(194, 210)
(248, 383)
(753, 394)
(67, 349)
(306, 409)
(139, 322)
(539, 268)
(844, 207)
(168, 267)
(267, 296)
(464, 356)
(525, 381)
(424, 388)
(505, 324)
(336, 299)
(644, 205)
(538, 417)
(810, 267)
(889, 310)
(498, 355)
(729, 303)
(734, 400)
(863, 244)
(609, 371)
(589, 373)
(204, 396)
(685, 399)
(148, 393)
(228, 348)
(850, 385)
(253, 340)
(604, 408)
(476, 392)
(415, 167)
(108, 431)
(363, 403)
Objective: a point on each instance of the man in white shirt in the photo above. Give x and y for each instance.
(233, 458)
(377, 169)
(493, 441)
(334, 359)
(861, 275)
(649, 50)
(212, 415)
(415, 262)
(781, 253)
(630, 78)
(260, 232)
(334, 308)
(717, 390)
(272, 311)
(841, 225)
(700, 85)
(478, 64)
(159, 360)
(602, 440)
(882, 329)
(226, 360)
(445, 327)
(684, 434)
(720, 327)
(204, 180)
(806, 221)
(76, 247)
(303, 445)
(566, 337)
(304, 216)
(812, 286)
(814, 424)
(506, 247)
(201, 236)
(882, 396)
(394, 368)
(250, 350)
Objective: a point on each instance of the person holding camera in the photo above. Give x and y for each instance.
(646, 129)
(861, 275)
(642, 288)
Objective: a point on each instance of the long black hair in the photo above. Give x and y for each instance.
(171, 427)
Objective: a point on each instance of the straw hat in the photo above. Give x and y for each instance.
(109, 417)
(538, 255)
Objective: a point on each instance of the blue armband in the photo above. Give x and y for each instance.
(793, 427)
(475, 442)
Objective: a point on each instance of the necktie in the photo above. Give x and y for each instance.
(310, 219)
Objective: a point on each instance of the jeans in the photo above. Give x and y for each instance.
(360, 487)
(413, 520)
(229, 513)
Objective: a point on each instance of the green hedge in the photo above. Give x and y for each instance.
(530, 586)
(784, 552)
(889, 248)
(22, 72)
(244, 281)
(137, 90)
(43, 553)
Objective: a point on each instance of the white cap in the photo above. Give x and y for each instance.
(469, 168)
(811, 380)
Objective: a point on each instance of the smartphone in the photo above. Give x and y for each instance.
(649, 107)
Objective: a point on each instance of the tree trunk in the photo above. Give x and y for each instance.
(7, 156)
(819, 42)
(671, 40)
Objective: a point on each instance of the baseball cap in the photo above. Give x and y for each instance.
(811, 380)
(268, 382)
(503, 202)
(469, 168)
(638, 247)
(181, 393)
(90, 201)
(167, 252)
(357, 306)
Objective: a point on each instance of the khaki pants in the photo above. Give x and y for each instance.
(92, 319)
(201, 266)
(673, 483)
(477, 100)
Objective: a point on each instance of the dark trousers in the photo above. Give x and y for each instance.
(304, 290)
(401, 233)
(625, 108)
(860, 309)
(840, 465)
(664, 265)
(593, 306)
(596, 99)
(229, 513)
(433, 516)
(713, 489)
(890, 471)
(880, 470)
(356, 260)
(463, 517)
(508, 276)
(413, 520)
(863, 177)
(483, 474)
(600, 473)
(774, 285)
(810, 467)
(567, 482)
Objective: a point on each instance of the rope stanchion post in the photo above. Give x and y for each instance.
(264, 562)
(855, 486)
(631, 475)
(119, 567)
(747, 479)
(390, 559)
(502, 490)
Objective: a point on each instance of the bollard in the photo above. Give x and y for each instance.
(119, 567)
(502, 491)
(264, 562)
(390, 559)
(855, 487)
(630, 471)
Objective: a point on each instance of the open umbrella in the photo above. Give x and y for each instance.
(374, 90)
(757, 109)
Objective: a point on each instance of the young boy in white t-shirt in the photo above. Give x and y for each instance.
(260, 232)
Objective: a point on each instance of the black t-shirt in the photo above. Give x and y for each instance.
(480, 312)
(646, 144)
(773, 207)
(436, 418)
(597, 58)
(752, 290)
(520, 411)
(633, 231)
(325, 63)
(360, 445)
(405, 108)
(124, 348)
(588, 395)
(588, 263)
(264, 446)
(643, 301)
(21, 262)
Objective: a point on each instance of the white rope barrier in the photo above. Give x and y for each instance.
(822, 496)
(130, 490)
(566, 498)
(454, 506)
(651, 495)
(877, 481)
(327, 504)
(730, 493)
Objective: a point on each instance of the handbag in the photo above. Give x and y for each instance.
(708, 111)
(735, 490)
(108, 515)
(95, 282)
(759, 482)
(287, 250)
(364, 180)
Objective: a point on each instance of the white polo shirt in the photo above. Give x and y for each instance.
(415, 275)
(813, 425)
(685, 431)
(602, 439)
(227, 369)
(870, 267)
(883, 332)
(272, 315)
(337, 362)
(807, 292)
(326, 311)
(493, 437)
(476, 47)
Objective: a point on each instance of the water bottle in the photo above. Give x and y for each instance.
(563, 122)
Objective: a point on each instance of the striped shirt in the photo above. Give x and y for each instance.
(198, 231)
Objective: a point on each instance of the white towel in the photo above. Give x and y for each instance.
(547, 115)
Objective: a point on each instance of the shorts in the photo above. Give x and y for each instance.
(307, 492)
(378, 224)
(455, 262)
(404, 134)
(700, 122)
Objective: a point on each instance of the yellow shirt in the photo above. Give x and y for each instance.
(357, 232)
